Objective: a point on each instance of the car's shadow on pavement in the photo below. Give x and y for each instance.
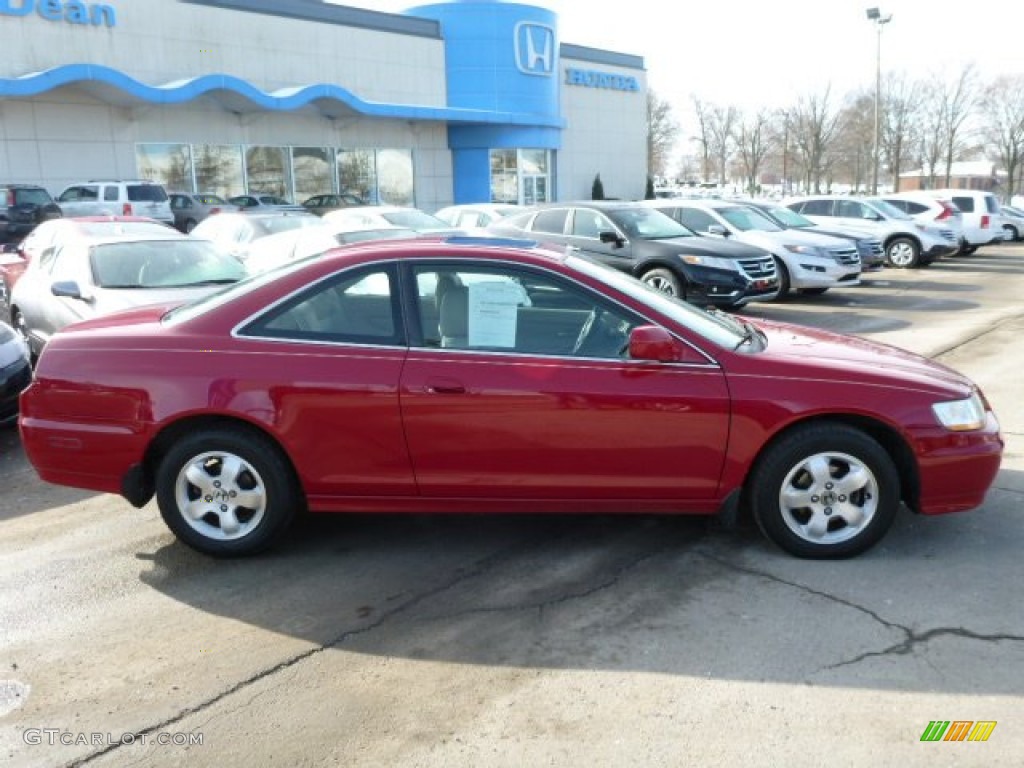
(669, 595)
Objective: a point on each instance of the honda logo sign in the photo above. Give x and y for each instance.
(535, 49)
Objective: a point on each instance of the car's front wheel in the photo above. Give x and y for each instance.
(665, 281)
(824, 490)
(902, 253)
(226, 491)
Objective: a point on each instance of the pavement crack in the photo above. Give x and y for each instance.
(611, 581)
(911, 638)
(963, 342)
(914, 639)
(461, 575)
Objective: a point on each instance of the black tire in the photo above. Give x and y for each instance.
(902, 253)
(968, 250)
(261, 495)
(813, 291)
(824, 491)
(190, 224)
(785, 283)
(666, 281)
(1012, 232)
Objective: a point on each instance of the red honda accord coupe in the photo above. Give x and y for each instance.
(474, 375)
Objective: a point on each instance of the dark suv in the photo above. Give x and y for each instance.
(653, 247)
(25, 205)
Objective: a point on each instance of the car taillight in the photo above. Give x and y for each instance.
(214, 210)
(126, 209)
(10, 198)
(984, 222)
(947, 212)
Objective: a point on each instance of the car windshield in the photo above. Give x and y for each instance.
(177, 263)
(271, 225)
(228, 293)
(720, 330)
(746, 219)
(647, 223)
(789, 218)
(887, 209)
(414, 219)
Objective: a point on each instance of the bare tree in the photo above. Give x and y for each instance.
(703, 137)
(662, 130)
(900, 118)
(1002, 106)
(754, 143)
(813, 126)
(930, 136)
(721, 130)
(851, 155)
(957, 99)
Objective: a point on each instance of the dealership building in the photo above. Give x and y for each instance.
(461, 101)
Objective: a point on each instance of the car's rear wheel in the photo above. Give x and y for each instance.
(813, 291)
(902, 253)
(666, 281)
(969, 249)
(824, 490)
(1012, 235)
(226, 491)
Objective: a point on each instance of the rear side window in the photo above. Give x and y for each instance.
(965, 204)
(551, 221)
(32, 196)
(817, 208)
(146, 193)
(991, 204)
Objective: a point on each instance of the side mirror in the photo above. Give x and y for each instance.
(69, 289)
(608, 236)
(654, 343)
(718, 229)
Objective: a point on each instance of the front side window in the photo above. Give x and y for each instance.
(698, 221)
(355, 307)
(513, 310)
(815, 208)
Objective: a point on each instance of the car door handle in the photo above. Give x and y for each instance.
(445, 387)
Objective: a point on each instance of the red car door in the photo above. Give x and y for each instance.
(541, 416)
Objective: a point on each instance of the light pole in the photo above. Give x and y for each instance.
(875, 15)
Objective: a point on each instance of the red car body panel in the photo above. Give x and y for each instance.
(415, 429)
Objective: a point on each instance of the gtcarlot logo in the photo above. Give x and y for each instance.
(535, 48)
(51, 737)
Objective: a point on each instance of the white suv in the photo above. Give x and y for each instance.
(983, 224)
(930, 208)
(117, 198)
(907, 243)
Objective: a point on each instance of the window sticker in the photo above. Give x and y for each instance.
(493, 308)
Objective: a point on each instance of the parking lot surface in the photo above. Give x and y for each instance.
(536, 640)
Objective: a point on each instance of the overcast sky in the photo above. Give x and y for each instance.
(755, 53)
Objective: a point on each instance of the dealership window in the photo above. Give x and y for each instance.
(357, 173)
(266, 171)
(218, 169)
(312, 171)
(168, 164)
(520, 176)
(394, 177)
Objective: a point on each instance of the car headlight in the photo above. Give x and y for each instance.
(808, 250)
(710, 261)
(961, 415)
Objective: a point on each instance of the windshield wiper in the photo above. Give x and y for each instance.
(213, 281)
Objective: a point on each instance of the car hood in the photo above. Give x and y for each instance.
(701, 246)
(866, 362)
(774, 240)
